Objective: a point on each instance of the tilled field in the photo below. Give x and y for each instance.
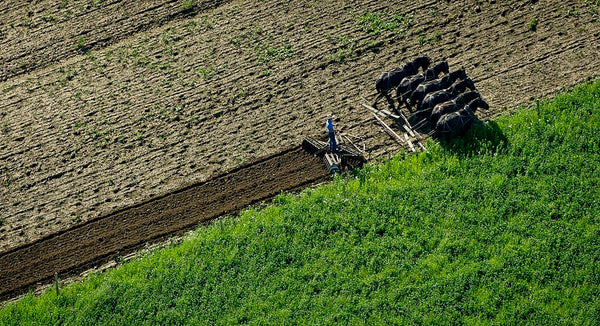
(105, 104)
(94, 242)
(36, 35)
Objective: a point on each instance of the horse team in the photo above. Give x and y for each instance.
(444, 100)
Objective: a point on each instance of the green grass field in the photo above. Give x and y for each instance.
(501, 227)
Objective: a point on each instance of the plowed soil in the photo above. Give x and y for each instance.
(106, 104)
(96, 241)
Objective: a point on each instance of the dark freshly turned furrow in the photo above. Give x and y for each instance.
(97, 241)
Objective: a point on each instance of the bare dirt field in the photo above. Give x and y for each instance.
(94, 242)
(107, 104)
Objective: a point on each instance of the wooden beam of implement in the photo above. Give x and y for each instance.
(387, 113)
(382, 112)
(389, 130)
(364, 149)
(406, 127)
(410, 131)
(352, 143)
(407, 124)
(412, 147)
(415, 135)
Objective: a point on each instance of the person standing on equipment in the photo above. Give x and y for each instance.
(331, 133)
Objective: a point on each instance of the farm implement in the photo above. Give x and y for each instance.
(338, 154)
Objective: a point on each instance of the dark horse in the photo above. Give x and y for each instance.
(434, 98)
(458, 122)
(454, 105)
(410, 83)
(390, 79)
(435, 85)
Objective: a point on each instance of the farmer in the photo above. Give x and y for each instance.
(331, 134)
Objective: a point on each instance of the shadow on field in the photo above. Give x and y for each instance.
(483, 137)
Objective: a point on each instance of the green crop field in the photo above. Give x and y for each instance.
(501, 227)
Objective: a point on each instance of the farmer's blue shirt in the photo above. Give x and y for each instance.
(331, 134)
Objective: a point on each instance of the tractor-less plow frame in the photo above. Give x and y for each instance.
(345, 157)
